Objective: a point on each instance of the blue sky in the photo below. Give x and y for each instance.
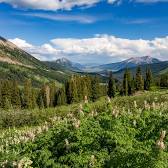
(50, 29)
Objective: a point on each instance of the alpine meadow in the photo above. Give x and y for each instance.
(84, 84)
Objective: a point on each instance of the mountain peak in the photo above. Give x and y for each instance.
(142, 60)
(63, 61)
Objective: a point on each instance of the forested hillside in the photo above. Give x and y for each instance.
(16, 64)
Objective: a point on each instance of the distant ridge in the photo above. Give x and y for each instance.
(129, 63)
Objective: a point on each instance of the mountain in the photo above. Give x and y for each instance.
(129, 63)
(16, 64)
(64, 64)
(156, 68)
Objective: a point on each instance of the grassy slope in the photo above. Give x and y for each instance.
(104, 139)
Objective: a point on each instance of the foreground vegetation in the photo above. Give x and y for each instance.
(122, 132)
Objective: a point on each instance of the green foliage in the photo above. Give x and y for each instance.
(103, 139)
(148, 80)
(111, 86)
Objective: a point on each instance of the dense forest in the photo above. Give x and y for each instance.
(12, 95)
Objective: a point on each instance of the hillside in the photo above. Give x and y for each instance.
(17, 64)
(156, 68)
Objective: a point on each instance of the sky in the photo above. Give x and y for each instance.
(87, 31)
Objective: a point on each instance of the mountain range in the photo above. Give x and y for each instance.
(128, 63)
(17, 64)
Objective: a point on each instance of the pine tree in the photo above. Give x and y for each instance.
(15, 95)
(125, 83)
(7, 104)
(111, 86)
(53, 90)
(148, 80)
(40, 101)
(71, 91)
(34, 98)
(95, 88)
(133, 85)
(45, 92)
(6, 93)
(61, 97)
(27, 96)
(139, 80)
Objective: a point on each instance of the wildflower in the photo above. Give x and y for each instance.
(160, 143)
(86, 100)
(67, 144)
(134, 122)
(108, 99)
(81, 113)
(76, 123)
(92, 161)
(135, 104)
(153, 105)
(25, 162)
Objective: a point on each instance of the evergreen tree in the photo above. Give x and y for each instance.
(133, 85)
(6, 93)
(95, 88)
(129, 78)
(40, 101)
(61, 97)
(71, 91)
(15, 95)
(53, 90)
(125, 83)
(148, 80)
(45, 92)
(7, 104)
(34, 98)
(139, 80)
(111, 86)
(27, 96)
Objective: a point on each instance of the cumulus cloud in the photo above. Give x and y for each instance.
(52, 4)
(98, 49)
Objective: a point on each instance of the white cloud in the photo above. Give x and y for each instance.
(21, 43)
(69, 18)
(52, 4)
(49, 4)
(150, 1)
(99, 49)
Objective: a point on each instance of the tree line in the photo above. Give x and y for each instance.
(130, 84)
(49, 95)
(12, 95)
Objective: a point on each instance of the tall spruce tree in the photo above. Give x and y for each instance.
(61, 97)
(15, 95)
(53, 90)
(6, 93)
(139, 79)
(148, 80)
(111, 86)
(95, 88)
(71, 91)
(125, 83)
(45, 92)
